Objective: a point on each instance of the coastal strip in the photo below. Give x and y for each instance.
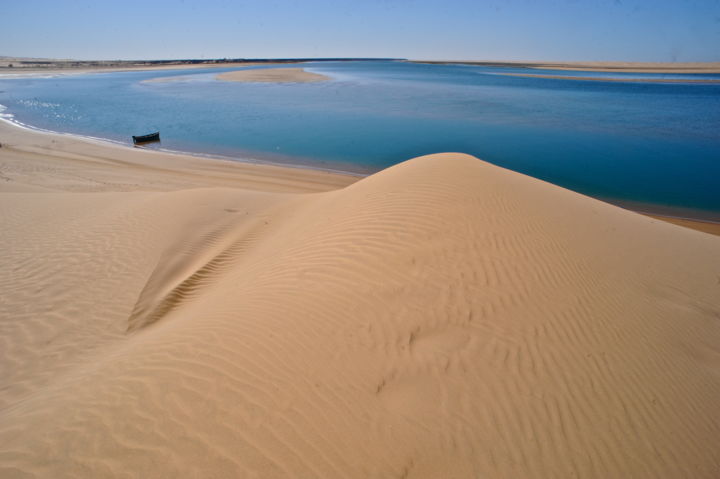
(611, 79)
(32, 160)
(626, 67)
(25, 151)
(20, 65)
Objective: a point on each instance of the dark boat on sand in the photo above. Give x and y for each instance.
(146, 138)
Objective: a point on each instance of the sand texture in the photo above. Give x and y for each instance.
(273, 75)
(444, 318)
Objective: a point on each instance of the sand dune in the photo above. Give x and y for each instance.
(442, 318)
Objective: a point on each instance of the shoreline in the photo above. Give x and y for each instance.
(169, 169)
(38, 139)
(33, 71)
(620, 67)
(245, 160)
(16, 65)
(609, 79)
(709, 227)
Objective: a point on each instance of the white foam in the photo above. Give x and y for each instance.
(3, 115)
(41, 75)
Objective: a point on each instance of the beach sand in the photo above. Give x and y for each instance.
(168, 316)
(705, 226)
(273, 75)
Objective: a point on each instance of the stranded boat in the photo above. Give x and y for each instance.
(146, 138)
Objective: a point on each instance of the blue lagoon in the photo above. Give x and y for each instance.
(654, 146)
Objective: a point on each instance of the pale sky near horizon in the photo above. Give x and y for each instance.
(561, 30)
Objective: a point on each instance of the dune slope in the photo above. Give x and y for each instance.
(442, 318)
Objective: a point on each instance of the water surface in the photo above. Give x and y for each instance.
(653, 144)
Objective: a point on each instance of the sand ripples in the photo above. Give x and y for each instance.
(444, 318)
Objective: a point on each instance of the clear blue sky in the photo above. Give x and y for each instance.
(623, 30)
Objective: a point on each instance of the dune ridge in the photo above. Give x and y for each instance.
(442, 318)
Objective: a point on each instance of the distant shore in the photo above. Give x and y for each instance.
(20, 66)
(629, 67)
(12, 65)
(606, 79)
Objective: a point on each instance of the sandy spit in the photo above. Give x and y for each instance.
(167, 316)
(605, 79)
(68, 68)
(273, 75)
(628, 67)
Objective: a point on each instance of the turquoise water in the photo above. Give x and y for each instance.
(648, 143)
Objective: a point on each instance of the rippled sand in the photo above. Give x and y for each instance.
(166, 316)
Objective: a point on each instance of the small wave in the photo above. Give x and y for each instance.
(39, 104)
(12, 76)
(3, 115)
(40, 75)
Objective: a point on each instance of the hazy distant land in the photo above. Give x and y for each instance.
(630, 67)
(21, 64)
(26, 65)
(604, 78)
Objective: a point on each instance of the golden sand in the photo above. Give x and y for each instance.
(165, 316)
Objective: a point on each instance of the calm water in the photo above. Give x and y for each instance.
(650, 143)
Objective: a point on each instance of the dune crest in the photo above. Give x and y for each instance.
(442, 318)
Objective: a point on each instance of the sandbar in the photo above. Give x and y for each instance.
(273, 75)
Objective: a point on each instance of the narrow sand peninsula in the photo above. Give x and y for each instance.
(24, 66)
(273, 75)
(647, 67)
(629, 67)
(442, 318)
(606, 79)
